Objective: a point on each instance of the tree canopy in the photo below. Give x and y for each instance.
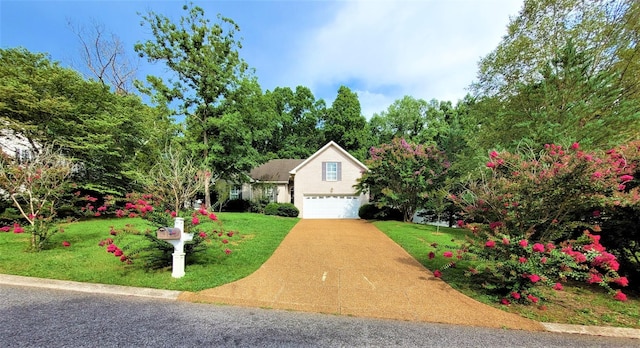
(561, 75)
(344, 123)
(211, 85)
(110, 136)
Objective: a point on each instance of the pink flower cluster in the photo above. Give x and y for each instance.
(90, 208)
(16, 228)
(203, 212)
(517, 296)
(113, 249)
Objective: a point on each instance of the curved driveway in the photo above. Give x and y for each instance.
(349, 267)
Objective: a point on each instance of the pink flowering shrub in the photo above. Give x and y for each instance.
(542, 196)
(153, 253)
(619, 217)
(520, 269)
(538, 219)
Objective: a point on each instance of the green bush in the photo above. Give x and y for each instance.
(373, 212)
(281, 209)
(368, 211)
(237, 206)
(288, 210)
(271, 209)
(389, 213)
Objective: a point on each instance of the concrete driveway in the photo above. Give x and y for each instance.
(349, 267)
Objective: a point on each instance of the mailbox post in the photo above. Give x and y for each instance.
(177, 238)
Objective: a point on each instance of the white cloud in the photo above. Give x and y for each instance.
(373, 103)
(388, 49)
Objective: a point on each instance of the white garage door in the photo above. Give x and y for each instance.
(331, 207)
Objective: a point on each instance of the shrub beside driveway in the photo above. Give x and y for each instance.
(584, 305)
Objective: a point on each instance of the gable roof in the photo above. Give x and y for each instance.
(275, 170)
(330, 144)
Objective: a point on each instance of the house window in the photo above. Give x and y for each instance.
(331, 171)
(236, 193)
(271, 194)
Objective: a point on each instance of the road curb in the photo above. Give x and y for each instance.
(173, 295)
(88, 287)
(621, 332)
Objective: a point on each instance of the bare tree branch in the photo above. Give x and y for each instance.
(105, 58)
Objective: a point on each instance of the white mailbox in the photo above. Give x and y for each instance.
(177, 269)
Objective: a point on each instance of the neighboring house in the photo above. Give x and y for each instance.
(321, 186)
(14, 145)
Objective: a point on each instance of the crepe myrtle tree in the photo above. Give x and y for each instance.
(176, 179)
(404, 175)
(35, 186)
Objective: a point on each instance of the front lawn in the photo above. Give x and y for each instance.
(85, 261)
(583, 304)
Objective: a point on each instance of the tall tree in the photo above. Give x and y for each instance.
(303, 135)
(608, 29)
(412, 119)
(569, 104)
(405, 118)
(208, 74)
(563, 73)
(345, 124)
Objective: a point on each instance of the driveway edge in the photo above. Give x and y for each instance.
(88, 287)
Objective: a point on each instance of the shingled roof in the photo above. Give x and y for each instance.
(275, 170)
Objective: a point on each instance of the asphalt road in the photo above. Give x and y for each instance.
(34, 317)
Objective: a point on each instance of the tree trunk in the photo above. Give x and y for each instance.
(207, 194)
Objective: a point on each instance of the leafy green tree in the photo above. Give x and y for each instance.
(295, 116)
(564, 72)
(405, 118)
(345, 124)
(303, 135)
(208, 85)
(32, 94)
(608, 29)
(112, 137)
(404, 175)
(569, 104)
(412, 119)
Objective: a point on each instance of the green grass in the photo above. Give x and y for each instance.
(258, 237)
(576, 304)
(85, 261)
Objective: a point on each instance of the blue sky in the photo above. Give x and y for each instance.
(381, 49)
